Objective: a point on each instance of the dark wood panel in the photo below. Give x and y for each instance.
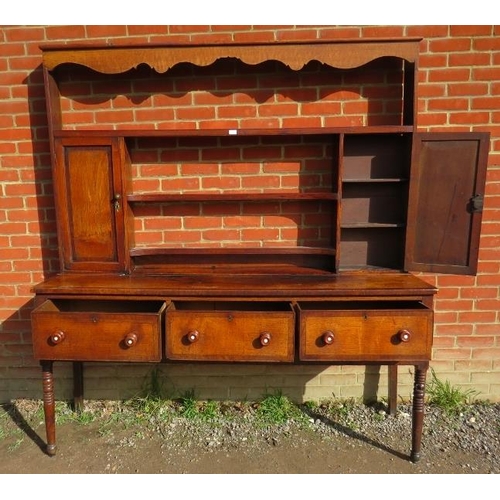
(372, 247)
(443, 224)
(376, 203)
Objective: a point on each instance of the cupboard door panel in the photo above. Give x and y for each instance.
(448, 172)
(91, 212)
(89, 195)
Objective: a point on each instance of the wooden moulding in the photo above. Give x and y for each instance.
(342, 54)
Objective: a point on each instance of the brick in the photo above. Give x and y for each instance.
(455, 330)
(490, 353)
(470, 30)
(472, 365)
(382, 31)
(450, 45)
(486, 44)
(24, 34)
(477, 316)
(472, 59)
(476, 341)
(454, 354)
(65, 32)
(449, 75)
(451, 104)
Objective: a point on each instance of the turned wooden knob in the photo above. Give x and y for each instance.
(57, 337)
(130, 339)
(265, 338)
(404, 335)
(328, 337)
(193, 336)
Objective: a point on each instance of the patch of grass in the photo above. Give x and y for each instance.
(277, 409)
(311, 405)
(451, 399)
(209, 410)
(189, 407)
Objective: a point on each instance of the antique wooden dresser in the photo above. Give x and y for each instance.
(391, 200)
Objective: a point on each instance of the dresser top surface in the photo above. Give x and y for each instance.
(234, 286)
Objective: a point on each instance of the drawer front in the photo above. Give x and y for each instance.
(230, 335)
(365, 335)
(96, 336)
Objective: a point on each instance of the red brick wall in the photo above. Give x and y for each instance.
(459, 90)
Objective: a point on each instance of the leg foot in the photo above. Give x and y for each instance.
(418, 411)
(78, 386)
(393, 389)
(49, 406)
(51, 450)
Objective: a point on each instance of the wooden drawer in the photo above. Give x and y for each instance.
(365, 331)
(230, 331)
(87, 330)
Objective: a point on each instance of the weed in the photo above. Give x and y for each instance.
(151, 403)
(210, 410)
(311, 405)
(153, 387)
(189, 407)
(452, 400)
(277, 409)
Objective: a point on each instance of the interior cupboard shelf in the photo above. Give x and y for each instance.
(377, 180)
(371, 225)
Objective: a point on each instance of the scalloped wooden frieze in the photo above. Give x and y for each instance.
(344, 55)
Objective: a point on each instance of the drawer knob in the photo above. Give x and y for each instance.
(265, 339)
(328, 337)
(404, 335)
(57, 337)
(193, 336)
(130, 339)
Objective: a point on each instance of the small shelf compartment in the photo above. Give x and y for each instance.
(374, 198)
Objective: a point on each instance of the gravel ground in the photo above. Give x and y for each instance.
(176, 437)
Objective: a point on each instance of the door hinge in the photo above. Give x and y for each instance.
(476, 204)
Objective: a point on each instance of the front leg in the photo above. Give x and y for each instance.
(49, 406)
(418, 410)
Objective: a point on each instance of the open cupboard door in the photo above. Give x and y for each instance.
(446, 202)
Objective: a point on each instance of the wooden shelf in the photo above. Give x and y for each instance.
(371, 225)
(228, 197)
(143, 251)
(148, 132)
(375, 181)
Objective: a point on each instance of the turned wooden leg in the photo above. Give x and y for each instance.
(393, 389)
(418, 411)
(49, 406)
(78, 386)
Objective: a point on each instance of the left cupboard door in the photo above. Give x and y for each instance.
(89, 194)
